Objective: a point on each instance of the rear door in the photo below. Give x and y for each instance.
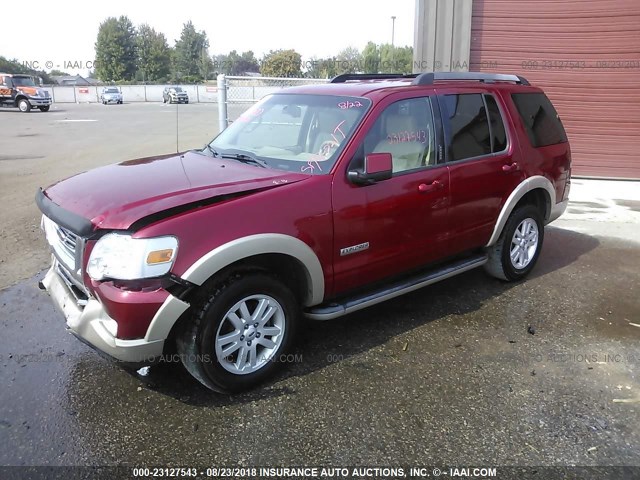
(484, 164)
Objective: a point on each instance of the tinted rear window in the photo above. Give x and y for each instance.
(540, 119)
(468, 126)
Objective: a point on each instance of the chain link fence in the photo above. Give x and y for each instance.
(236, 94)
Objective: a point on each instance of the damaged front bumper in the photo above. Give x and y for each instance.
(91, 323)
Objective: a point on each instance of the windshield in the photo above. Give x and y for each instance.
(177, 89)
(298, 133)
(112, 90)
(23, 82)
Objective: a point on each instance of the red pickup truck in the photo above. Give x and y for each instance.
(318, 201)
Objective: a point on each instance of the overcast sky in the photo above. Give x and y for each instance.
(66, 31)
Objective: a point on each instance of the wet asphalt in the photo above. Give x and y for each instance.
(470, 371)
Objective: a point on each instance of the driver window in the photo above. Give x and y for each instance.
(406, 130)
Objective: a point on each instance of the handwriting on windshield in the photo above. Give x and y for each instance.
(310, 167)
(347, 104)
(337, 130)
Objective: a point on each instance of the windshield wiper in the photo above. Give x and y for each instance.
(210, 148)
(241, 157)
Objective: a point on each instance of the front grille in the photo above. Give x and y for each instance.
(65, 244)
(76, 288)
(67, 239)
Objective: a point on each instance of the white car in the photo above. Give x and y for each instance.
(111, 95)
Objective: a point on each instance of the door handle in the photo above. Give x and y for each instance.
(435, 185)
(510, 168)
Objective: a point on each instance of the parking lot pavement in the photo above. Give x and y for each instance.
(449, 374)
(38, 148)
(470, 371)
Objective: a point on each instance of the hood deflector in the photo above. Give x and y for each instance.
(84, 228)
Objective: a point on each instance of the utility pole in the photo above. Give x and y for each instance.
(393, 29)
(393, 48)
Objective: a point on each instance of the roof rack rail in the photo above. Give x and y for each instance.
(431, 77)
(368, 76)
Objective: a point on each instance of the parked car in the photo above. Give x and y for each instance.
(174, 95)
(111, 95)
(318, 201)
(22, 92)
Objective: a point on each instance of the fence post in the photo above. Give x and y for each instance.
(222, 102)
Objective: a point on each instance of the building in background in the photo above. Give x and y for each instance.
(585, 55)
(74, 80)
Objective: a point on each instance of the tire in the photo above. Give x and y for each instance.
(226, 366)
(526, 249)
(44, 109)
(24, 105)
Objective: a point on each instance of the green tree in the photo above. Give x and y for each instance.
(237, 64)
(58, 73)
(282, 63)
(154, 55)
(349, 60)
(371, 58)
(321, 67)
(396, 59)
(116, 50)
(192, 61)
(14, 66)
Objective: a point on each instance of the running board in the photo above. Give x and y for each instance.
(335, 310)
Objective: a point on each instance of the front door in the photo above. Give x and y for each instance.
(399, 224)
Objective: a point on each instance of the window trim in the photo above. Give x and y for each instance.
(446, 128)
(438, 134)
(502, 114)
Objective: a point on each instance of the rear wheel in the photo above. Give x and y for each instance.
(24, 105)
(44, 109)
(240, 330)
(517, 250)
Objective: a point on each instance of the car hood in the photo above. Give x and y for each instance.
(31, 91)
(117, 196)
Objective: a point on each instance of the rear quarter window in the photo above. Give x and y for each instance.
(540, 119)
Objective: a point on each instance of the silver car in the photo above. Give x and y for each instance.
(111, 95)
(174, 95)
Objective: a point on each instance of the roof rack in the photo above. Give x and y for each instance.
(431, 77)
(368, 76)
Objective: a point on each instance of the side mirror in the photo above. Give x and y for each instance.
(377, 167)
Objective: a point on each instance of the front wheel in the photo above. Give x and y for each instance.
(24, 105)
(517, 250)
(239, 333)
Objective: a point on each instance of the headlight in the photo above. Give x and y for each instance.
(122, 257)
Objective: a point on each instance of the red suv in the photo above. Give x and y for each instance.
(318, 201)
